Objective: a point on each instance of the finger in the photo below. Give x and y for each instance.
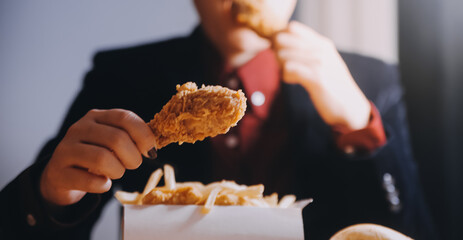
(290, 55)
(138, 130)
(303, 31)
(97, 160)
(114, 139)
(80, 179)
(294, 72)
(286, 40)
(299, 36)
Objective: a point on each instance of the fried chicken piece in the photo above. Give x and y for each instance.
(231, 199)
(182, 195)
(260, 15)
(194, 114)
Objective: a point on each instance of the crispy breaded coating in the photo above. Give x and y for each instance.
(196, 193)
(183, 195)
(194, 114)
(231, 199)
(258, 16)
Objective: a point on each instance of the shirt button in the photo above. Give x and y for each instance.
(390, 188)
(394, 199)
(231, 141)
(387, 178)
(349, 150)
(232, 83)
(395, 205)
(31, 220)
(258, 98)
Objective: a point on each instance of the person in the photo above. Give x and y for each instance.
(319, 124)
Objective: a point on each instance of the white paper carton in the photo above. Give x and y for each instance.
(223, 222)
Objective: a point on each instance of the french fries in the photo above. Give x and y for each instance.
(216, 193)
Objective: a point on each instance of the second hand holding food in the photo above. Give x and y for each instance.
(312, 61)
(308, 59)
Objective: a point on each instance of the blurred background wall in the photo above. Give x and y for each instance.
(362, 26)
(46, 47)
(431, 59)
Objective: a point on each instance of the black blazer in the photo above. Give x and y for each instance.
(346, 189)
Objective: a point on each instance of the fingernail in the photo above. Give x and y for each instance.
(152, 154)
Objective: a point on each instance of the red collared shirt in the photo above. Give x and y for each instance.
(260, 80)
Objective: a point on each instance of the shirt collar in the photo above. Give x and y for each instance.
(259, 78)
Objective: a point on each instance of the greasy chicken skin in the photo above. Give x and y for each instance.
(194, 114)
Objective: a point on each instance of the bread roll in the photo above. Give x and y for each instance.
(368, 232)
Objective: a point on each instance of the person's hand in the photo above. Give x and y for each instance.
(312, 61)
(97, 148)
